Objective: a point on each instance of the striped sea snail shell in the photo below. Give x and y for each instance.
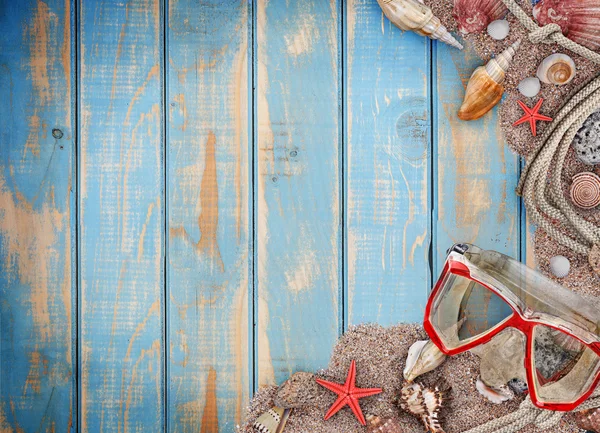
(585, 190)
(556, 69)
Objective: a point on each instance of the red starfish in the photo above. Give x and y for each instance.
(531, 115)
(348, 394)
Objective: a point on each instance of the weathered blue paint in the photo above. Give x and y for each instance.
(297, 196)
(37, 192)
(208, 215)
(388, 169)
(121, 245)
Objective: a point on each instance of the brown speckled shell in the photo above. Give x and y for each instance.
(585, 190)
(376, 424)
(588, 419)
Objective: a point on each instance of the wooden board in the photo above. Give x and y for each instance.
(298, 186)
(37, 217)
(475, 173)
(121, 245)
(208, 251)
(388, 169)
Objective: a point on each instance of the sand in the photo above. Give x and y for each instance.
(380, 355)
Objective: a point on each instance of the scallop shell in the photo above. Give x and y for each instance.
(415, 16)
(579, 20)
(376, 424)
(485, 88)
(560, 266)
(473, 16)
(425, 403)
(585, 190)
(588, 419)
(529, 87)
(495, 395)
(272, 421)
(423, 356)
(556, 69)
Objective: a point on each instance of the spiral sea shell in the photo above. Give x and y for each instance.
(485, 88)
(376, 424)
(579, 20)
(556, 69)
(425, 403)
(474, 15)
(415, 16)
(423, 356)
(585, 190)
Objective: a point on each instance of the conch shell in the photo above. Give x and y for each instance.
(485, 88)
(415, 16)
(556, 69)
(423, 356)
(425, 403)
(473, 16)
(272, 421)
(579, 20)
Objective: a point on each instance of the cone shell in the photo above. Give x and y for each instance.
(423, 356)
(272, 421)
(588, 420)
(415, 16)
(485, 88)
(579, 20)
(473, 16)
(376, 424)
(556, 69)
(585, 190)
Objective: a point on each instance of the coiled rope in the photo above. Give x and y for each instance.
(546, 203)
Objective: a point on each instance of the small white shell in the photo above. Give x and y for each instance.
(495, 395)
(423, 356)
(560, 266)
(529, 87)
(498, 29)
(556, 69)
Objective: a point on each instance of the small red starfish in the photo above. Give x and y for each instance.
(348, 394)
(531, 115)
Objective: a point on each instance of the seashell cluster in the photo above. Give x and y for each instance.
(485, 88)
(498, 29)
(415, 16)
(560, 266)
(579, 20)
(495, 395)
(588, 420)
(272, 421)
(529, 87)
(585, 190)
(423, 356)
(586, 142)
(376, 424)
(473, 16)
(556, 69)
(425, 403)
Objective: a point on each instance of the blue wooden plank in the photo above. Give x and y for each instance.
(121, 217)
(208, 215)
(297, 192)
(37, 302)
(388, 168)
(475, 174)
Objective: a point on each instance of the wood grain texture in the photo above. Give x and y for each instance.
(297, 208)
(208, 215)
(37, 193)
(121, 217)
(388, 169)
(475, 173)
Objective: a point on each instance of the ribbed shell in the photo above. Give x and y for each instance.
(578, 19)
(585, 190)
(473, 16)
(272, 421)
(376, 424)
(424, 403)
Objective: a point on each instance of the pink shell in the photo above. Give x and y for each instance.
(578, 19)
(473, 16)
(585, 190)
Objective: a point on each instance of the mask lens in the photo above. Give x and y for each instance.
(564, 368)
(465, 309)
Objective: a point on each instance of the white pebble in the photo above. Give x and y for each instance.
(530, 87)
(560, 266)
(498, 29)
